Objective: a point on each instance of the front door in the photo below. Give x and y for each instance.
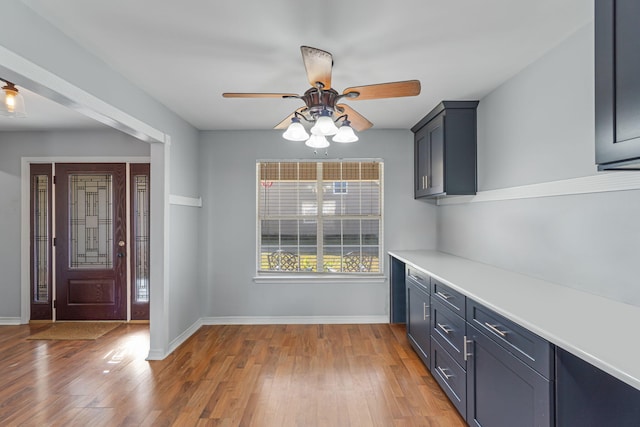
(90, 244)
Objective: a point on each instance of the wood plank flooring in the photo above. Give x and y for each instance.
(266, 375)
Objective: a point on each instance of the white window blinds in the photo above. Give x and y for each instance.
(321, 217)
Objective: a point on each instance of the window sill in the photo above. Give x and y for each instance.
(319, 278)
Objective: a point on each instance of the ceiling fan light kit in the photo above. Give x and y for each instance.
(11, 101)
(321, 103)
(345, 133)
(295, 131)
(317, 141)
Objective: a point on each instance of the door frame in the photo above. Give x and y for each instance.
(26, 163)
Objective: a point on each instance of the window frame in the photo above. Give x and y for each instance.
(268, 276)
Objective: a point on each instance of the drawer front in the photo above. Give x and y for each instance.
(418, 277)
(449, 297)
(449, 330)
(531, 349)
(451, 377)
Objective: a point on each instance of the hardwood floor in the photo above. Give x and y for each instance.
(267, 375)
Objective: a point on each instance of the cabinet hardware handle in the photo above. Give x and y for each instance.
(443, 373)
(495, 329)
(425, 310)
(446, 329)
(416, 278)
(443, 295)
(465, 351)
(426, 181)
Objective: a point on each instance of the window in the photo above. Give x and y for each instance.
(309, 222)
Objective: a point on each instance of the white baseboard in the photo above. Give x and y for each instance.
(158, 354)
(293, 320)
(6, 321)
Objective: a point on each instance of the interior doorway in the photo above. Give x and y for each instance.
(92, 261)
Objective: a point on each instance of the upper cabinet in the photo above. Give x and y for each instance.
(445, 150)
(617, 77)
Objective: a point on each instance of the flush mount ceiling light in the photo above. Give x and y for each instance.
(322, 108)
(11, 101)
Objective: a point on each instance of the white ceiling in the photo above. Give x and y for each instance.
(187, 53)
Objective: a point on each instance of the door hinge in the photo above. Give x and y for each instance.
(55, 241)
(55, 303)
(54, 179)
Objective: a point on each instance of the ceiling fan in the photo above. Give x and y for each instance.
(322, 107)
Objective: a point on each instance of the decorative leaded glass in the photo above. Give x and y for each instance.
(90, 221)
(41, 238)
(141, 237)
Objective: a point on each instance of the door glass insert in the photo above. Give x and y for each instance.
(141, 237)
(41, 260)
(90, 221)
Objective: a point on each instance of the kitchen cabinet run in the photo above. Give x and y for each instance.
(445, 150)
(617, 84)
(523, 358)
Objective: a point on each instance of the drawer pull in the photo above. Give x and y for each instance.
(443, 373)
(425, 311)
(494, 328)
(444, 296)
(416, 278)
(445, 328)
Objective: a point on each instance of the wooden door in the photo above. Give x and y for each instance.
(90, 244)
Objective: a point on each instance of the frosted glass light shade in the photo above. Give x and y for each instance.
(295, 131)
(11, 102)
(317, 141)
(345, 134)
(324, 125)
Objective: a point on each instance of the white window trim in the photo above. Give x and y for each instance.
(262, 277)
(324, 278)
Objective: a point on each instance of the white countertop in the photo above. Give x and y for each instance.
(600, 331)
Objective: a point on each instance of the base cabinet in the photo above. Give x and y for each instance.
(502, 391)
(418, 325)
(418, 320)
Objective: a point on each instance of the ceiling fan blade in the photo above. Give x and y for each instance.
(318, 64)
(386, 90)
(259, 95)
(358, 122)
(287, 121)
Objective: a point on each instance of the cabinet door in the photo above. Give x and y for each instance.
(422, 160)
(501, 390)
(617, 76)
(429, 155)
(435, 130)
(418, 322)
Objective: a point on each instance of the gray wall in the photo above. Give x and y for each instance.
(539, 127)
(228, 162)
(14, 146)
(33, 39)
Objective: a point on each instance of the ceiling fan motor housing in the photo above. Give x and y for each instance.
(318, 99)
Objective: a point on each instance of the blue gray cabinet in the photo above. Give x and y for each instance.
(418, 313)
(617, 84)
(509, 372)
(589, 397)
(448, 343)
(502, 391)
(445, 150)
